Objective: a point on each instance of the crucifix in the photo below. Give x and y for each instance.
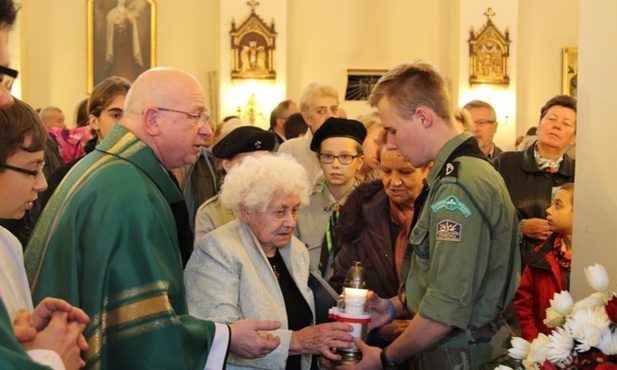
(252, 4)
(489, 13)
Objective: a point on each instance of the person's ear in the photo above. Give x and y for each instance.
(226, 164)
(245, 214)
(425, 117)
(151, 121)
(360, 160)
(93, 122)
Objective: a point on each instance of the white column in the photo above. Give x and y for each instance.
(595, 200)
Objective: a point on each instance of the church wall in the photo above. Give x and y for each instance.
(323, 39)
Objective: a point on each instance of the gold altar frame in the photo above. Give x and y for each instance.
(252, 49)
(489, 51)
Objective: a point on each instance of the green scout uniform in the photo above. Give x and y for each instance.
(315, 225)
(107, 242)
(464, 260)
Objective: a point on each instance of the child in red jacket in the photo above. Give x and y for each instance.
(549, 270)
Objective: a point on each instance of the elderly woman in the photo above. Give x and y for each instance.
(534, 175)
(254, 266)
(374, 226)
(375, 222)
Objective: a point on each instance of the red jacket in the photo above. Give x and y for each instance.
(541, 279)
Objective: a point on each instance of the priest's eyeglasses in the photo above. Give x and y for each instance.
(35, 173)
(200, 119)
(345, 159)
(8, 76)
(483, 122)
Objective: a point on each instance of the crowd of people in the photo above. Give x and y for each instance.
(151, 238)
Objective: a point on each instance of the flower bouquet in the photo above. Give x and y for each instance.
(584, 334)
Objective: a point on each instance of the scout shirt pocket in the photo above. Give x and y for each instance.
(420, 244)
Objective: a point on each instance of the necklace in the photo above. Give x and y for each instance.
(276, 273)
(272, 262)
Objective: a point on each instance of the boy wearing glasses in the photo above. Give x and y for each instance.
(22, 139)
(338, 144)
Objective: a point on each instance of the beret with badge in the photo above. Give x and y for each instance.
(243, 139)
(338, 127)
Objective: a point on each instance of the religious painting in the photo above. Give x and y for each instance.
(121, 39)
(489, 50)
(360, 83)
(569, 71)
(252, 47)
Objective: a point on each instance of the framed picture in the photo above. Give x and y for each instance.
(121, 38)
(569, 71)
(360, 82)
(252, 49)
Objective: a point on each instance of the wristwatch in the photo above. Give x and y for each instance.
(386, 363)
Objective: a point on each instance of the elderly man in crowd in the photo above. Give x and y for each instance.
(318, 102)
(484, 126)
(111, 247)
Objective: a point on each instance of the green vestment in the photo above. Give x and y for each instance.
(107, 242)
(12, 354)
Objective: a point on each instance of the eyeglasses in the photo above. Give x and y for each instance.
(482, 122)
(201, 119)
(34, 173)
(342, 158)
(8, 77)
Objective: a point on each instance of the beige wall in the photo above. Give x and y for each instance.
(545, 28)
(323, 39)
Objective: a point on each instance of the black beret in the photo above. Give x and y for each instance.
(243, 139)
(338, 127)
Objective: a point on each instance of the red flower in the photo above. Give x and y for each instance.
(606, 366)
(547, 365)
(611, 309)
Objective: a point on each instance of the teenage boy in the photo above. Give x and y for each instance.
(51, 333)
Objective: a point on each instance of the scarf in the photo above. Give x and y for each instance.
(403, 220)
(546, 165)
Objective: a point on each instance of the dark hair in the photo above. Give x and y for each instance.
(8, 13)
(81, 113)
(17, 123)
(531, 131)
(294, 126)
(410, 85)
(106, 91)
(280, 111)
(561, 100)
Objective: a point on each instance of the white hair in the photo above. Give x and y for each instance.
(253, 182)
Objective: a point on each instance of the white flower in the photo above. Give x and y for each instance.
(503, 367)
(538, 351)
(592, 301)
(529, 365)
(553, 318)
(597, 277)
(587, 325)
(560, 347)
(562, 302)
(520, 348)
(608, 342)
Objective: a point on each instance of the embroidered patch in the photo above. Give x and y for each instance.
(449, 231)
(451, 203)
